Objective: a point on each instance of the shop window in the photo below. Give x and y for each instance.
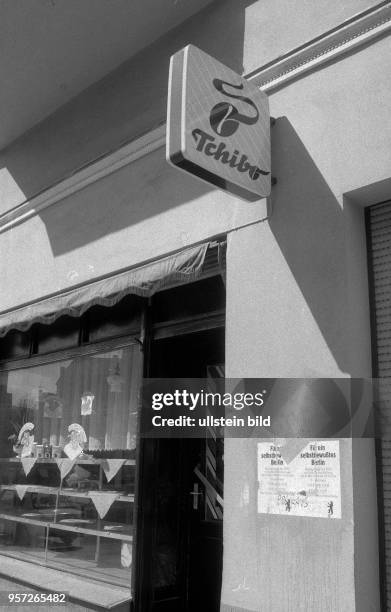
(119, 320)
(62, 334)
(15, 345)
(67, 454)
(204, 296)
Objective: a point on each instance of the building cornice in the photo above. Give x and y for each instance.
(360, 30)
(348, 36)
(81, 178)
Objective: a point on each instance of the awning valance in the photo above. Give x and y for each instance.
(182, 267)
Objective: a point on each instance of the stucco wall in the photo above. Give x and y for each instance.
(244, 34)
(330, 130)
(143, 211)
(297, 306)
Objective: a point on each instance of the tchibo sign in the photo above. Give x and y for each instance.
(218, 125)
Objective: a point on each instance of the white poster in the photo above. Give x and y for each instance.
(309, 485)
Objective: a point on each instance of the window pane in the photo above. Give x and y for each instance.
(67, 482)
(118, 320)
(189, 300)
(15, 345)
(63, 333)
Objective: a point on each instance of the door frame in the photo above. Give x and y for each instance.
(146, 460)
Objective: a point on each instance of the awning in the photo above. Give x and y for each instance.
(183, 267)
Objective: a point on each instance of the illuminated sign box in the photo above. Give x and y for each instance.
(218, 125)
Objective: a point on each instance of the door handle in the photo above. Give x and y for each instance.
(195, 493)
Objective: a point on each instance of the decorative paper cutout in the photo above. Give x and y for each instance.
(73, 450)
(87, 400)
(28, 464)
(111, 467)
(21, 490)
(65, 466)
(126, 554)
(103, 501)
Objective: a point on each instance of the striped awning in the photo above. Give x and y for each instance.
(183, 267)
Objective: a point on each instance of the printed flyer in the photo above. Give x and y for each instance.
(307, 486)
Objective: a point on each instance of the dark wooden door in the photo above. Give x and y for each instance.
(206, 527)
(180, 540)
(182, 544)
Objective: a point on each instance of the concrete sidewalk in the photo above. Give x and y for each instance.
(7, 586)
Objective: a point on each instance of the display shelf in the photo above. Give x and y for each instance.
(113, 577)
(67, 492)
(125, 537)
(92, 461)
(60, 520)
(21, 519)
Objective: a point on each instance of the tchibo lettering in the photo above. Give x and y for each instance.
(207, 144)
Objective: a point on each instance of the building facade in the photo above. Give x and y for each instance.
(115, 265)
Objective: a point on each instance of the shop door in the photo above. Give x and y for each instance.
(180, 529)
(206, 527)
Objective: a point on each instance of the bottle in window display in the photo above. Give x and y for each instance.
(78, 438)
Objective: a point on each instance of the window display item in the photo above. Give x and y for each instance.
(111, 467)
(24, 446)
(28, 464)
(21, 490)
(78, 437)
(47, 451)
(87, 400)
(65, 466)
(103, 501)
(38, 451)
(126, 554)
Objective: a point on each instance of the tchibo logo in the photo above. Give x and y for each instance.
(225, 120)
(225, 117)
(218, 125)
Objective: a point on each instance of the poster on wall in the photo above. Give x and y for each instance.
(309, 485)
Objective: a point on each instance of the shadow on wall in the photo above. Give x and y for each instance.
(128, 102)
(308, 224)
(144, 190)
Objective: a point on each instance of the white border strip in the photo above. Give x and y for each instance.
(356, 32)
